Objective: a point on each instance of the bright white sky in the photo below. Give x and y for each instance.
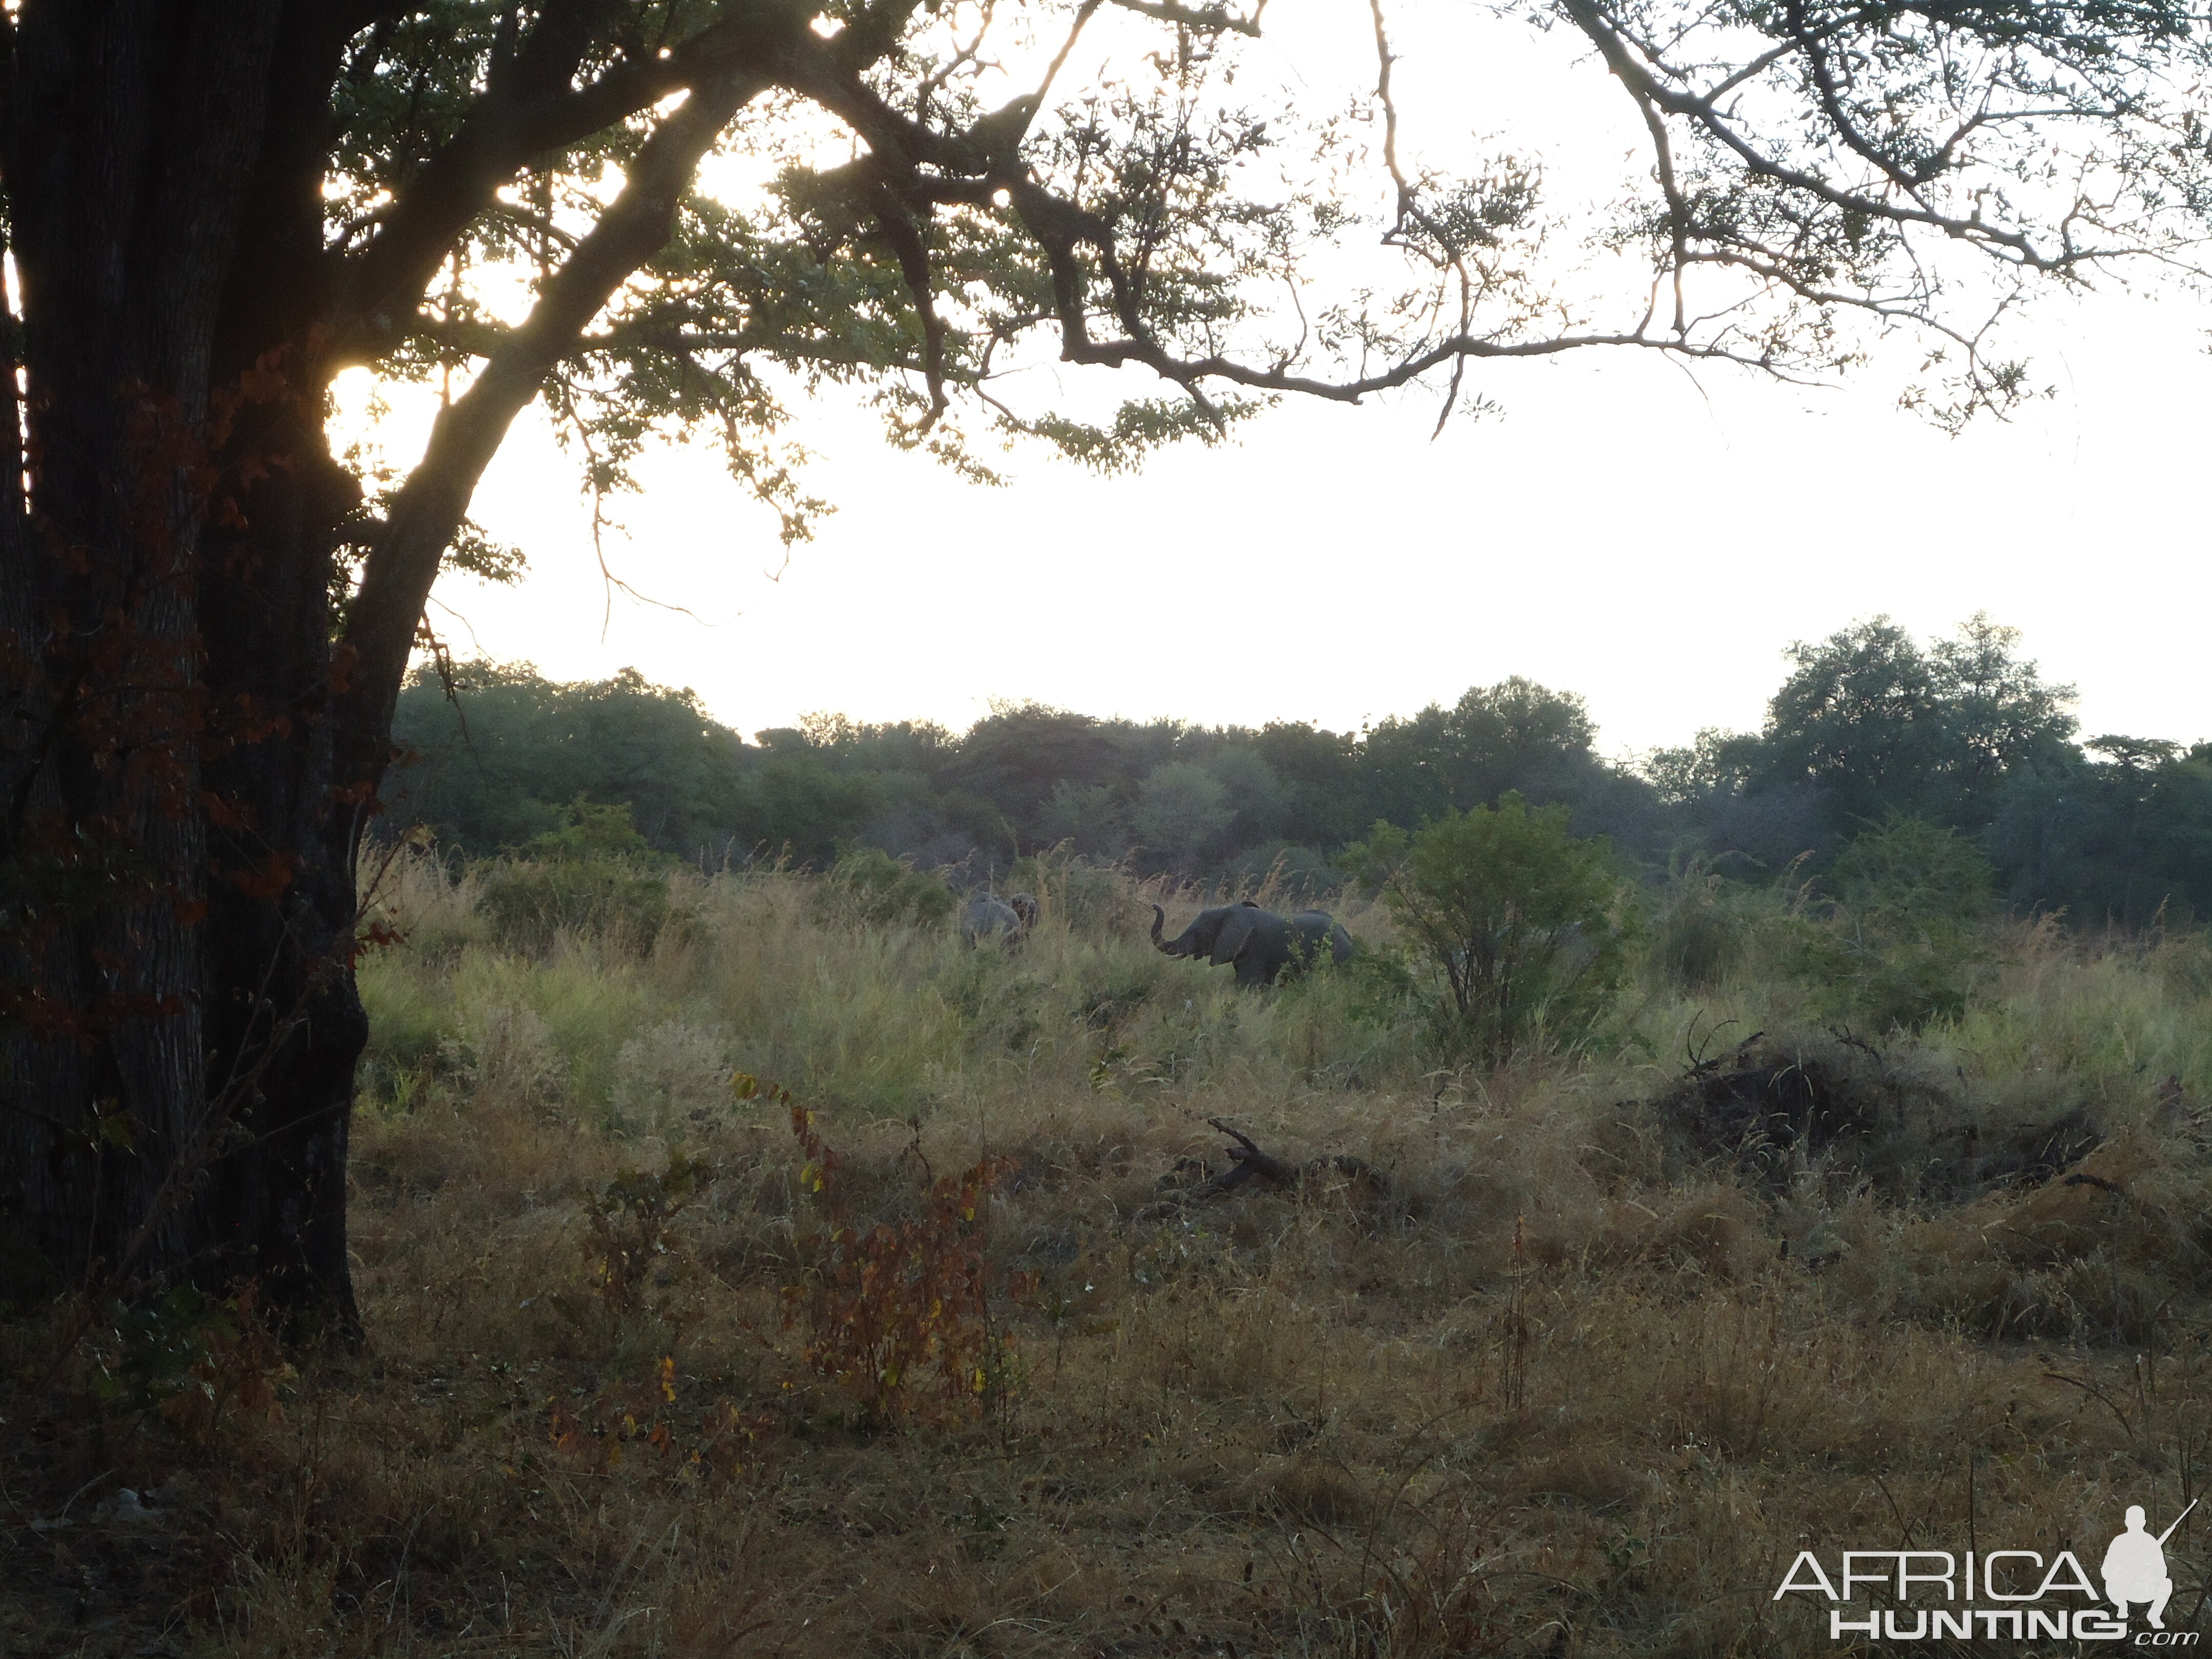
(1650, 540)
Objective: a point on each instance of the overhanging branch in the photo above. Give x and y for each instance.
(529, 110)
(398, 574)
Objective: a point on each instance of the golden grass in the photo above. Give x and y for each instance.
(1552, 1390)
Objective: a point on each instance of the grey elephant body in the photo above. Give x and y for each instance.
(987, 917)
(1261, 944)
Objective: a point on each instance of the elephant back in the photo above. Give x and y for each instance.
(985, 916)
(1249, 932)
(1316, 930)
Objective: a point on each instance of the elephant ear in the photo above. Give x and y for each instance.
(1229, 943)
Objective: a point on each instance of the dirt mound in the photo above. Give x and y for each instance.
(1769, 1109)
(2023, 1155)
(1759, 1105)
(2100, 1255)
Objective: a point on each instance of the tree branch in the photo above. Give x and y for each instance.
(1643, 83)
(1207, 18)
(428, 511)
(527, 110)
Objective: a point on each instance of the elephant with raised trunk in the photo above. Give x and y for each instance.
(1261, 943)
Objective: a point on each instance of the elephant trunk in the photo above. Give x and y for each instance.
(1159, 921)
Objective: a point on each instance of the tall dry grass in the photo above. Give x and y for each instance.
(1534, 1374)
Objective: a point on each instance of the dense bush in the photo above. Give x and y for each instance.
(1083, 893)
(1963, 732)
(1869, 724)
(1697, 936)
(1297, 873)
(1182, 813)
(1519, 917)
(869, 886)
(490, 765)
(593, 874)
(493, 757)
(1899, 945)
(529, 904)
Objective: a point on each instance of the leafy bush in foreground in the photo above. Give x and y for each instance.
(1517, 915)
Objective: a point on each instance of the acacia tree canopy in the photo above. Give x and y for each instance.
(670, 215)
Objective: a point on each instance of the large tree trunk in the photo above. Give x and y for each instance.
(280, 938)
(180, 1021)
(186, 760)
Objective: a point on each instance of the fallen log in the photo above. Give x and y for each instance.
(1248, 1162)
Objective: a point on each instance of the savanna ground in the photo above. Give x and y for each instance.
(1568, 1357)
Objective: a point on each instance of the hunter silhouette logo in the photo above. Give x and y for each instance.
(2033, 1599)
(2134, 1567)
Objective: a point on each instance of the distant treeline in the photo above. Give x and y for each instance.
(1869, 725)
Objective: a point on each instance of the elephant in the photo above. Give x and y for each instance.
(1261, 943)
(987, 916)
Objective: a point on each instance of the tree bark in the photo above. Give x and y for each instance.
(187, 760)
(181, 1025)
(284, 1022)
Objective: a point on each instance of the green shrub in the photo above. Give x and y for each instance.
(528, 904)
(1001, 1007)
(1517, 915)
(1912, 872)
(1699, 939)
(1899, 945)
(1084, 817)
(593, 831)
(411, 1018)
(1182, 812)
(593, 875)
(869, 886)
(2182, 960)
